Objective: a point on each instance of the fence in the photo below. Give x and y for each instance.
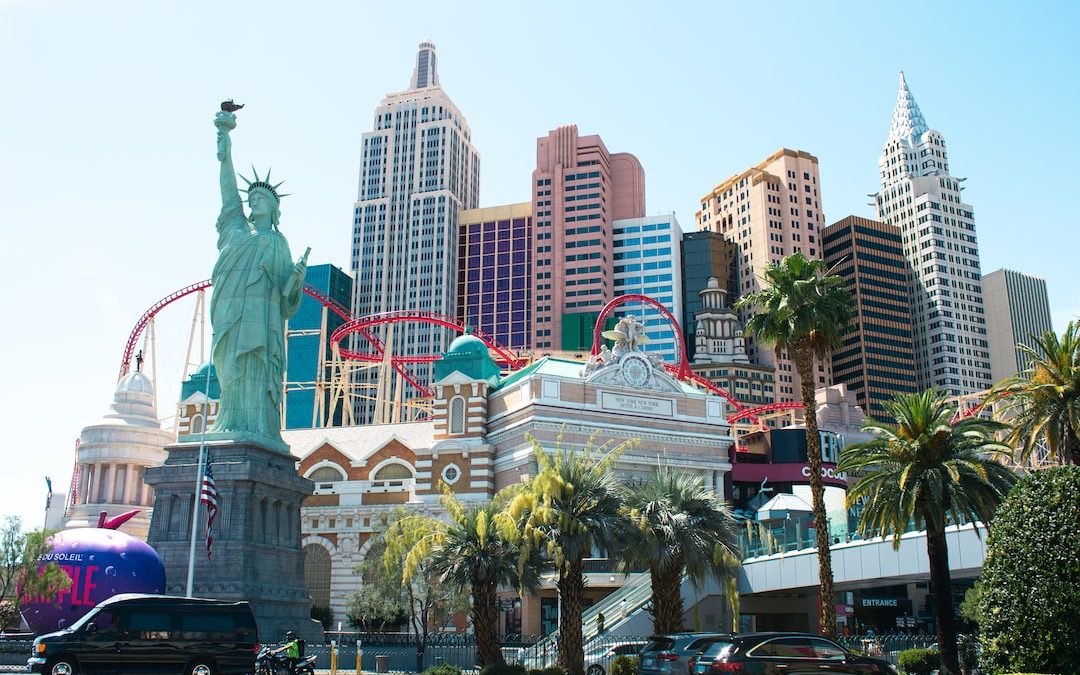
(887, 647)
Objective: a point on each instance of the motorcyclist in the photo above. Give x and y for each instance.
(291, 649)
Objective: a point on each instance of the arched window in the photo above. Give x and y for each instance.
(196, 424)
(317, 566)
(393, 471)
(327, 474)
(457, 415)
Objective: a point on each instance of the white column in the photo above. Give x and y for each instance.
(129, 484)
(85, 473)
(104, 483)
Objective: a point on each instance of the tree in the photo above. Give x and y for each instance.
(1030, 598)
(470, 554)
(380, 602)
(22, 576)
(930, 468)
(802, 311)
(1045, 398)
(571, 508)
(681, 527)
(428, 603)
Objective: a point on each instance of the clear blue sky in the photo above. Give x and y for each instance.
(110, 180)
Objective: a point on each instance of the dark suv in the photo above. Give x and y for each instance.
(786, 653)
(667, 654)
(135, 633)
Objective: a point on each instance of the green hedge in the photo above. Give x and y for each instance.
(624, 665)
(445, 669)
(1030, 598)
(511, 669)
(918, 661)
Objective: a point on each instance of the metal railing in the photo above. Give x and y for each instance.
(886, 647)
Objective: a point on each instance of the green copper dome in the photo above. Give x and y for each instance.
(468, 355)
(467, 343)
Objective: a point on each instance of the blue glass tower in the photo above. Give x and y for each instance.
(305, 334)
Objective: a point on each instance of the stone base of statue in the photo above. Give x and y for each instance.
(257, 554)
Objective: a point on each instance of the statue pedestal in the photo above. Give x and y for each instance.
(257, 554)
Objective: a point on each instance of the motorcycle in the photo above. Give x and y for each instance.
(268, 663)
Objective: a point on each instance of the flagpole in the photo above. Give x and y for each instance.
(198, 487)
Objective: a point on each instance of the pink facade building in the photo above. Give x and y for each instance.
(579, 190)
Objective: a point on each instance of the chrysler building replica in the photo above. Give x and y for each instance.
(921, 197)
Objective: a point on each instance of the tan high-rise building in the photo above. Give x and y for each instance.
(769, 211)
(1017, 312)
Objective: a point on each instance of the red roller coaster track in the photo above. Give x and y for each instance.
(503, 356)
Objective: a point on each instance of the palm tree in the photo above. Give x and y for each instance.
(802, 312)
(930, 468)
(469, 554)
(571, 508)
(681, 527)
(1045, 398)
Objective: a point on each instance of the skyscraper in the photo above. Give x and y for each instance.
(647, 253)
(579, 190)
(495, 272)
(770, 211)
(310, 327)
(877, 358)
(705, 255)
(1017, 312)
(417, 169)
(921, 197)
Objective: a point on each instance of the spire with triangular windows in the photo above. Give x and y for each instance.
(907, 120)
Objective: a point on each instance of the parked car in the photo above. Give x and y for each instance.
(598, 661)
(667, 653)
(138, 633)
(787, 653)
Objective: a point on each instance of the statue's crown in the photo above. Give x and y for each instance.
(263, 184)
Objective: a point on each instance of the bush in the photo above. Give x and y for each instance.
(512, 669)
(624, 665)
(1030, 598)
(918, 661)
(444, 669)
(550, 670)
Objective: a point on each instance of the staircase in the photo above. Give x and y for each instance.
(637, 594)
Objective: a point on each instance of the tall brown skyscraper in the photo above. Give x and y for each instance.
(877, 359)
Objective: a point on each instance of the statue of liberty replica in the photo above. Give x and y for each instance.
(256, 288)
(245, 543)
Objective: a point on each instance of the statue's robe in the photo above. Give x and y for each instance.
(248, 310)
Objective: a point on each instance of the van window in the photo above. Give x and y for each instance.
(214, 626)
(149, 625)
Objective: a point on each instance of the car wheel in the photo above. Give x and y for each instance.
(62, 666)
(201, 668)
(595, 669)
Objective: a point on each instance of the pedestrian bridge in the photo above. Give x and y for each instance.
(865, 563)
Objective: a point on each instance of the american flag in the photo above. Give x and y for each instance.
(210, 499)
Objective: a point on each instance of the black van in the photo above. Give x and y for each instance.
(136, 633)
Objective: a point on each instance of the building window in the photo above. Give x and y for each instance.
(450, 474)
(457, 415)
(393, 471)
(317, 574)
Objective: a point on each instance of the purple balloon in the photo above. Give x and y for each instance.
(101, 563)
